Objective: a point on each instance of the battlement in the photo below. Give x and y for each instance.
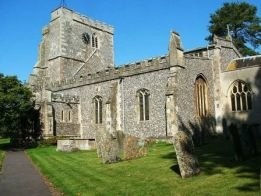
(62, 11)
(145, 63)
(125, 70)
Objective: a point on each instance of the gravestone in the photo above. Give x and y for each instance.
(107, 146)
(187, 161)
(134, 147)
(237, 143)
(116, 146)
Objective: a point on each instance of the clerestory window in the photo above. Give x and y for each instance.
(143, 96)
(241, 96)
(201, 97)
(98, 109)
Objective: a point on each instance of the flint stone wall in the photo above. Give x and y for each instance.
(185, 96)
(156, 83)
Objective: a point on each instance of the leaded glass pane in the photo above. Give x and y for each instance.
(141, 106)
(238, 100)
(244, 102)
(147, 107)
(233, 102)
(249, 101)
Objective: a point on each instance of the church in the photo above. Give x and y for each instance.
(78, 89)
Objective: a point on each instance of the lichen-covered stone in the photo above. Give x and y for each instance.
(112, 147)
(107, 146)
(187, 161)
(134, 147)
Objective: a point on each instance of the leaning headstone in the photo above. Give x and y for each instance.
(248, 139)
(237, 143)
(107, 146)
(187, 161)
(253, 140)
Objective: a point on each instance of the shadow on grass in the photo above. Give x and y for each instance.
(170, 155)
(218, 155)
(176, 169)
(4, 144)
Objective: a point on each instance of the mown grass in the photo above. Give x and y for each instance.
(82, 173)
(3, 145)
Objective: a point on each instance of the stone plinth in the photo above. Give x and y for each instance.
(69, 145)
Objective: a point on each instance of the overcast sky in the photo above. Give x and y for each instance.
(142, 27)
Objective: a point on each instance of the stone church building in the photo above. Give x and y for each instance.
(79, 90)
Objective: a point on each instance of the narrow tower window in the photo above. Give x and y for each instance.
(94, 41)
(62, 116)
(98, 109)
(70, 116)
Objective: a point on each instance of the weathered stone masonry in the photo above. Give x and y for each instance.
(76, 64)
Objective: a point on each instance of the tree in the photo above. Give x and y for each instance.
(17, 114)
(243, 23)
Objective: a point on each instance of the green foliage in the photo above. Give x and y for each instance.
(4, 142)
(244, 25)
(17, 117)
(52, 141)
(82, 173)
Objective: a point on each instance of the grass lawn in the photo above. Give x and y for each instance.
(82, 173)
(3, 143)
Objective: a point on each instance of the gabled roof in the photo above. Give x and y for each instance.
(244, 62)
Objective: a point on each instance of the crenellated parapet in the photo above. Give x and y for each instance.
(58, 97)
(125, 70)
(81, 19)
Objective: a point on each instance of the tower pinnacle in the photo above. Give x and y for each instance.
(62, 4)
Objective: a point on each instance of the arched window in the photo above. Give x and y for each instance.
(98, 109)
(143, 95)
(94, 41)
(201, 97)
(241, 96)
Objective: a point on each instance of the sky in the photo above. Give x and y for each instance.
(141, 27)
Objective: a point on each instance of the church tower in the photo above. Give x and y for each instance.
(74, 46)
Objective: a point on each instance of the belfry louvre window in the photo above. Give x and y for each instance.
(62, 116)
(143, 95)
(241, 97)
(98, 109)
(201, 96)
(70, 116)
(94, 41)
